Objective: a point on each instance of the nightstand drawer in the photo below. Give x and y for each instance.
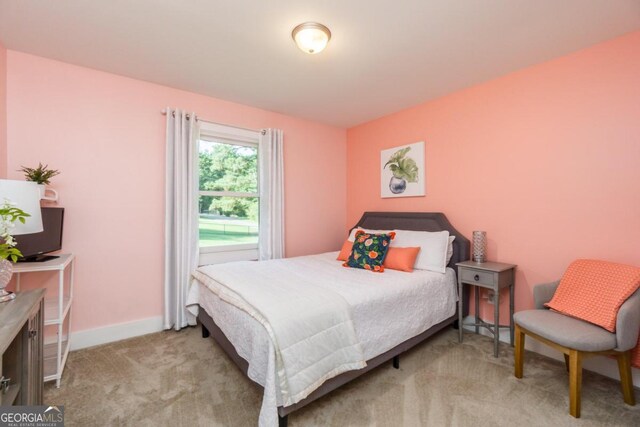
(477, 276)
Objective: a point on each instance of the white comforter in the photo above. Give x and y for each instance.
(386, 309)
(310, 326)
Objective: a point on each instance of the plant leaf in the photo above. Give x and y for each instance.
(397, 156)
(407, 170)
(410, 169)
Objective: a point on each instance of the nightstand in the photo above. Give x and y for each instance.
(488, 275)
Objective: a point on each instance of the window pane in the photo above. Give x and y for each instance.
(228, 220)
(226, 167)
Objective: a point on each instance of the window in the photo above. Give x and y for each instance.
(228, 199)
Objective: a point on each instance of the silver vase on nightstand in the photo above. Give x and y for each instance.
(479, 246)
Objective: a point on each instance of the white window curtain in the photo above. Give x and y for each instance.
(181, 216)
(271, 170)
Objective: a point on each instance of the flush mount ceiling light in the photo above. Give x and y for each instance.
(311, 37)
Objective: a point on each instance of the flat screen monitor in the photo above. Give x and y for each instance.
(34, 246)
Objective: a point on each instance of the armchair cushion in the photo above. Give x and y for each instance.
(566, 331)
(594, 290)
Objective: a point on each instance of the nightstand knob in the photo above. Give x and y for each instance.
(476, 277)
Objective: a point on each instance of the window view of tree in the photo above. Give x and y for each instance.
(228, 202)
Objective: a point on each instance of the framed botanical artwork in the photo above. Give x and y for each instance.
(402, 171)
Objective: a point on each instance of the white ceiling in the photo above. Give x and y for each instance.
(384, 55)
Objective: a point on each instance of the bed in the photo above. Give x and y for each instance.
(243, 339)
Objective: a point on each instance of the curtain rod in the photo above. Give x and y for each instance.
(262, 131)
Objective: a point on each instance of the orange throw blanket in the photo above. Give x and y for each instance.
(594, 290)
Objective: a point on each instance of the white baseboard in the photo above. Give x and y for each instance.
(601, 365)
(117, 332)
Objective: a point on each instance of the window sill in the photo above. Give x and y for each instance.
(228, 248)
(224, 254)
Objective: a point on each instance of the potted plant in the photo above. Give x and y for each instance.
(404, 169)
(42, 176)
(8, 252)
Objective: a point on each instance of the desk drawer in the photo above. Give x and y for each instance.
(478, 276)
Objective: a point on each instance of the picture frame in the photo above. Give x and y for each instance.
(402, 171)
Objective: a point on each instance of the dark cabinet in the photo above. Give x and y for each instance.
(21, 347)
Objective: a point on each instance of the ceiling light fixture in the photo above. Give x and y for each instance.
(311, 37)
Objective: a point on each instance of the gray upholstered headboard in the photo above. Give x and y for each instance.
(421, 221)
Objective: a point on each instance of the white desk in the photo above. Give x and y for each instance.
(56, 311)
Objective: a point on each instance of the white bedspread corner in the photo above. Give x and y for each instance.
(193, 297)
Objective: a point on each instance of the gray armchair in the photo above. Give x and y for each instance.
(578, 339)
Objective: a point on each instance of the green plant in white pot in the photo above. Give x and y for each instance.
(9, 214)
(42, 176)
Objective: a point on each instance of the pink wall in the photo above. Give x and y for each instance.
(546, 160)
(3, 111)
(106, 134)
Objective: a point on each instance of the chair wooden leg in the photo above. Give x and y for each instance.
(624, 366)
(575, 382)
(566, 361)
(519, 352)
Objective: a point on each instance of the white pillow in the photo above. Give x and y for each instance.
(450, 248)
(433, 248)
(352, 235)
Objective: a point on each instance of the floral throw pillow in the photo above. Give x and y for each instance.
(369, 251)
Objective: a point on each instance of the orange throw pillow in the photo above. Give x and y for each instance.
(347, 247)
(594, 290)
(402, 259)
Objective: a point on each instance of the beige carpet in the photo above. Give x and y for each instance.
(180, 379)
